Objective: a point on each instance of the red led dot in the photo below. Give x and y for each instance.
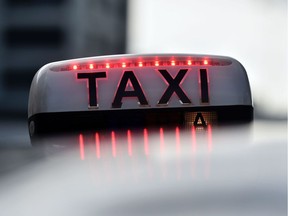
(107, 65)
(156, 63)
(91, 66)
(140, 64)
(123, 64)
(205, 62)
(75, 67)
(173, 63)
(189, 62)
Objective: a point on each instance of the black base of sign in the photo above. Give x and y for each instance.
(47, 123)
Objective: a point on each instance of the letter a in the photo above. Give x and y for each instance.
(199, 120)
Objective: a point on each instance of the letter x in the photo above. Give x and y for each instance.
(173, 87)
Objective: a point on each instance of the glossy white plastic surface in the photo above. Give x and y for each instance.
(58, 90)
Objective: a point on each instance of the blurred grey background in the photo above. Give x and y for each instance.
(36, 32)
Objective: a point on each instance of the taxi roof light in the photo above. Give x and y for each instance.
(151, 88)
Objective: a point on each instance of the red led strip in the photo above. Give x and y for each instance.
(138, 63)
(93, 66)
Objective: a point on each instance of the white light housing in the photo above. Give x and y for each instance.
(120, 89)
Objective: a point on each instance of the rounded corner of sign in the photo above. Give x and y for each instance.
(43, 70)
(235, 61)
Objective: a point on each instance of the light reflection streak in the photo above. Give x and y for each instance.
(194, 148)
(97, 142)
(194, 144)
(129, 139)
(146, 141)
(210, 143)
(178, 152)
(113, 141)
(162, 151)
(162, 142)
(146, 151)
(81, 145)
(210, 147)
(178, 143)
